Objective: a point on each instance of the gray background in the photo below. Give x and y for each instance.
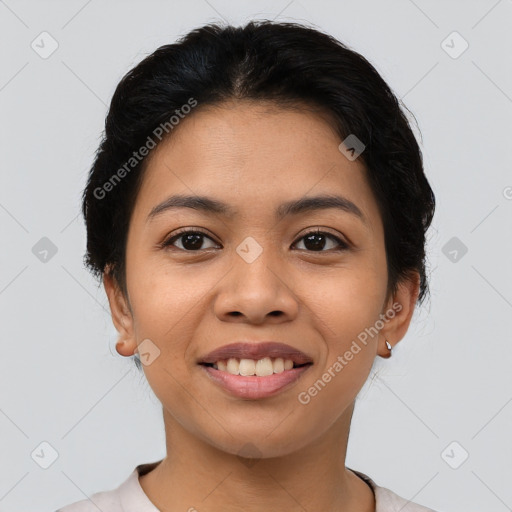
(61, 381)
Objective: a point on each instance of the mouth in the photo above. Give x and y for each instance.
(255, 370)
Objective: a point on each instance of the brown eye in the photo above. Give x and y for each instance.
(317, 240)
(191, 240)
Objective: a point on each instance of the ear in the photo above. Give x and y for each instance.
(121, 316)
(402, 304)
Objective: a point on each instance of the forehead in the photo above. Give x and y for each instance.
(253, 155)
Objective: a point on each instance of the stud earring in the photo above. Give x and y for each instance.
(390, 348)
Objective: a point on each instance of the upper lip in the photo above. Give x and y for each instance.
(256, 351)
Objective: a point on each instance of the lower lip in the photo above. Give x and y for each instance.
(253, 387)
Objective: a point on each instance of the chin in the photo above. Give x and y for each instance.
(254, 442)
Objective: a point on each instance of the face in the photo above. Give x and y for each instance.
(313, 278)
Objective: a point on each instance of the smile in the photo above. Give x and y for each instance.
(254, 379)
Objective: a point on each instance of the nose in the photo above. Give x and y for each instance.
(256, 292)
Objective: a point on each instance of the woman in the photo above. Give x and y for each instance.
(257, 212)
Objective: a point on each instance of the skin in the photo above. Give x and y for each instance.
(255, 156)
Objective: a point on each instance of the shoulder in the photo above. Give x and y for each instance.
(127, 497)
(105, 500)
(387, 501)
(111, 500)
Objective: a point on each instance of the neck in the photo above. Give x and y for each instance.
(197, 476)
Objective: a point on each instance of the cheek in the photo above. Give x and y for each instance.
(168, 306)
(346, 315)
(348, 301)
(346, 308)
(163, 297)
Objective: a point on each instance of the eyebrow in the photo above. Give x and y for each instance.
(295, 207)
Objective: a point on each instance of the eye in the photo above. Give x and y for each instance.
(192, 240)
(316, 241)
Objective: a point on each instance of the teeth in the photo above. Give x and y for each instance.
(247, 367)
(279, 365)
(233, 366)
(264, 367)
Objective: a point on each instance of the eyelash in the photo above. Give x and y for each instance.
(185, 231)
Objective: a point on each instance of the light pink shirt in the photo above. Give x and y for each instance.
(130, 497)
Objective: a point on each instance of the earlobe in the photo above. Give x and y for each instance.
(399, 311)
(121, 316)
(124, 348)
